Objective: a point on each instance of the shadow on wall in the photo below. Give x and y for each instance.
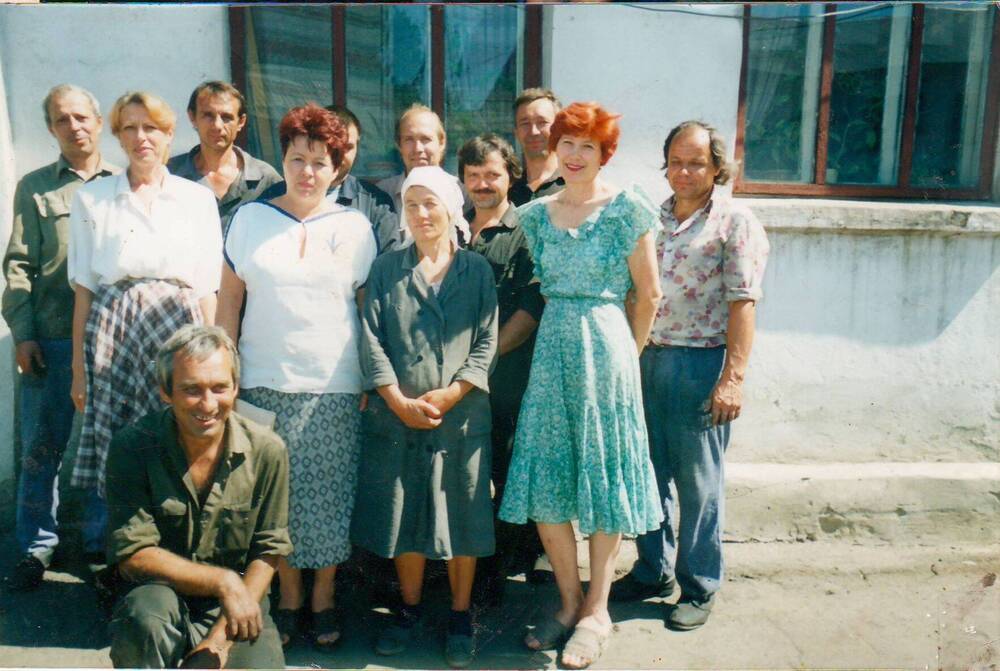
(902, 289)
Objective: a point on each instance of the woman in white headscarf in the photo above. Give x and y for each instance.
(429, 340)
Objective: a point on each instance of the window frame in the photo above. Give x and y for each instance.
(902, 189)
(531, 73)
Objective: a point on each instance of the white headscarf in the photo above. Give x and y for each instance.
(447, 190)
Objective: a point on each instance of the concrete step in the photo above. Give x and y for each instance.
(878, 502)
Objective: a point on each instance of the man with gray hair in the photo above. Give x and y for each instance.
(712, 252)
(198, 501)
(38, 307)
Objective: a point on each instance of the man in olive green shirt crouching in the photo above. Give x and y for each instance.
(198, 516)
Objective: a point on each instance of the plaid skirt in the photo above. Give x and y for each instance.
(128, 322)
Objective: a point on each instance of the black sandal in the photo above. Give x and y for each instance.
(325, 623)
(287, 622)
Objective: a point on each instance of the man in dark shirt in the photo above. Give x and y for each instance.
(350, 191)
(38, 308)
(488, 164)
(198, 504)
(534, 111)
(217, 110)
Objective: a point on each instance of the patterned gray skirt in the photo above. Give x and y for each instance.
(323, 435)
(128, 322)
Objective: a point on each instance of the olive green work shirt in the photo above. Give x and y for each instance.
(152, 501)
(38, 299)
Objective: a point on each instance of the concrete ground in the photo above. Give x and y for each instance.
(827, 604)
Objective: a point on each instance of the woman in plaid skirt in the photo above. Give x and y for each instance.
(144, 257)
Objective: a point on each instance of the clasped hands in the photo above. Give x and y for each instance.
(427, 410)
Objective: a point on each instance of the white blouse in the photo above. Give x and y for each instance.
(113, 238)
(300, 331)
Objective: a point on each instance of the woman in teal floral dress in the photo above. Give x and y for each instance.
(580, 451)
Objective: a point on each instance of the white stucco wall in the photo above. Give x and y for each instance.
(879, 335)
(106, 49)
(656, 65)
(7, 184)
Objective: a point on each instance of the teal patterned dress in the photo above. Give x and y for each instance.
(581, 450)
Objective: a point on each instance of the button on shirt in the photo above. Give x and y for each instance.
(112, 237)
(506, 248)
(255, 177)
(153, 502)
(38, 301)
(714, 257)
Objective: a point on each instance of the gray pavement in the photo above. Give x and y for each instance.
(784, 605)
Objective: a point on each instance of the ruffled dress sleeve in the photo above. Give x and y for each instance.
(636, 216)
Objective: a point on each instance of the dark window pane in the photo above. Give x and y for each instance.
(288, 57)
(388, 69)
(783, 71)
(481, 72)
(866, 103)
(954, 66)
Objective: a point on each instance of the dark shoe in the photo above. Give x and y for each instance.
(396, 638)
(630, 589)
(27, 574)
(288, 622)
(689, 614)
(459, 650)
(326, 623)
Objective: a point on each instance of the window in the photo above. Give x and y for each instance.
(885, 100)
(468, 63)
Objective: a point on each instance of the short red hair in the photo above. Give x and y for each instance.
(317, 124)
(587, 120)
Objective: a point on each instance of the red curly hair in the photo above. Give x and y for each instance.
(587, 120)
(317, 124)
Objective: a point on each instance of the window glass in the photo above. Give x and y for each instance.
(866, 102)
(954, 65)
(482, 68)
(388, 69)
(288, 56)
(783, 70)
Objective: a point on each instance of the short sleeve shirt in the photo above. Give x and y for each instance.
(300, 330)
(152, 501)
(715, 257)
(113, 237)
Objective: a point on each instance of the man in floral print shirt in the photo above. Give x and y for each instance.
(712, 253)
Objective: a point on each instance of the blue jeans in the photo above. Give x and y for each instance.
(688, 450)
(46, 424)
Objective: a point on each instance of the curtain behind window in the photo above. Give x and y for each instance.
(288, 56)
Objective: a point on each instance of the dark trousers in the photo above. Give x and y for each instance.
(518, 545)
(46, 425)
(153, 627)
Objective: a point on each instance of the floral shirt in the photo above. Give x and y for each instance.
(714, 257)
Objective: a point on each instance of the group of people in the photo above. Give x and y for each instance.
(418, 368)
